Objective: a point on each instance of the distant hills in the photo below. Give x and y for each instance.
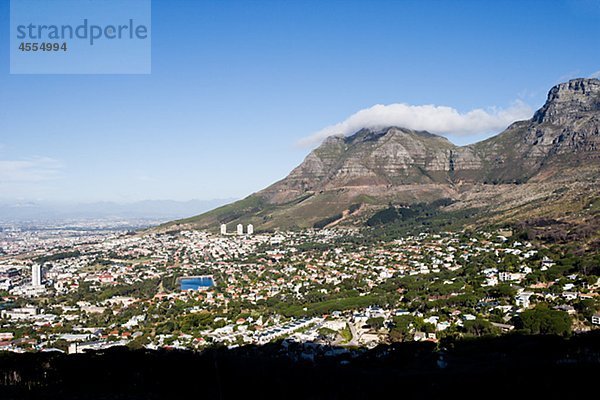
(12, 211)
(545, 167)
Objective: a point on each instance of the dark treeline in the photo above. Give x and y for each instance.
(513, 366)
(407, 212)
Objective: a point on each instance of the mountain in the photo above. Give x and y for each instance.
(545, 167)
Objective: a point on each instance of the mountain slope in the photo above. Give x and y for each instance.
(511, 175)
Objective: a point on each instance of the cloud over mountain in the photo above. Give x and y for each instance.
(442, 120)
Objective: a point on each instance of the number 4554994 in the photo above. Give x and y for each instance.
(46, 46)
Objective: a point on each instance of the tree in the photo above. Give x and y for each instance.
(375, 323)
(503, 291)
(428, 328)
(479, 327)
(139, 342)
(587, 308)
(61, 344)
(402, 327)
(544, 321)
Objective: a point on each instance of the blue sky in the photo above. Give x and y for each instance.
(235, 86)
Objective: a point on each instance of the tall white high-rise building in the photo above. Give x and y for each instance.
(250, 229)
(223, 229)
(240, 229)
(36, 275)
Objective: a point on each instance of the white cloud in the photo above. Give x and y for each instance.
(441, 120)
(595, 75)
(34, 169)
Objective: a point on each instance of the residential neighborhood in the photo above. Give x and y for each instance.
(329, 287)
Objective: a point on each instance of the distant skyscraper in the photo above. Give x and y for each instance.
(36, 275)
(240, 229)
(223, 229)
(250, 229)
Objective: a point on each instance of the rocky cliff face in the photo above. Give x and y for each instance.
(397, 164)
(570, 101)
(568, 124)
(392, 156)
(564, 130)
(569, 121)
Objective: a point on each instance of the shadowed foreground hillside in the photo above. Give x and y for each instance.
(511, 366)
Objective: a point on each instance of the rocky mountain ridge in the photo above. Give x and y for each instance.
(372, 168)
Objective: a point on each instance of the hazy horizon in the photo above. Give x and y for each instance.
(165, 210)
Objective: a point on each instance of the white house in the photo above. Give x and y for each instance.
(522, 299)
(570, 295)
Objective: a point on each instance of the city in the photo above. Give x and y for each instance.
(94, 291)
(310, 199)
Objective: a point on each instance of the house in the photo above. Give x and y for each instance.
(568, 287)
(369, 338)
(491, 281)
(75, 337)
(566, 308)
(27, 312)
(547, 263)
(596, 319)
(504, 276)
(570, 295)
(503, 327)
(522, 299)
(335, 325)
(442, 326)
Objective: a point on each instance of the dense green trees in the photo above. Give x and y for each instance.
(326, 221)
(326, 307)
(503, 291)
(414, 211)
(479, 327)
(402, 327)
(376, 323)
(587, 308)
(196, 321)
(544, 321)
